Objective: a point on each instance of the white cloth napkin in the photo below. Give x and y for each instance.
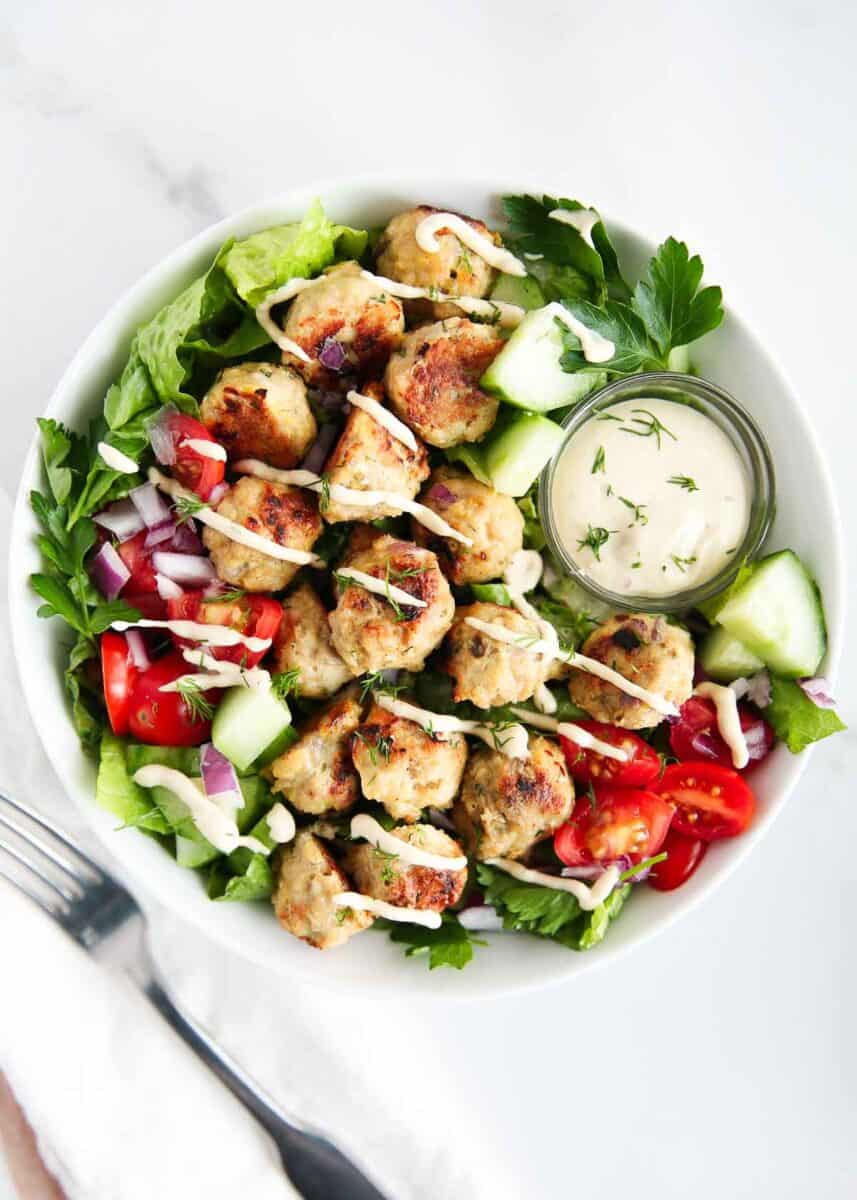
(123, 1111)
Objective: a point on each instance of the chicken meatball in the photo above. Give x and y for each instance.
(373, 634)
(493, 522)
(368, 458)
(316, 774)
(404, 768)
(508, 804)
(648, 651)
(386, 877)
(489, 672)
(307, 880)
(260, 410)
(346, 321)
(433, 381)
(302, 643)
(453, 268)
(285, 515)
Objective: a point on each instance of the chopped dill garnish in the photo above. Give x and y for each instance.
(596, 537)
(684, 481)
(195, 699)
(324, 498)
(284, 683)
(382, 744)
(229, 596)
(683, 563)
(186, 507)
(376, 682)
(598, 463)
(652, 427)
(636, 509)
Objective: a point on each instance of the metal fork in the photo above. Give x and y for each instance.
(106, 921)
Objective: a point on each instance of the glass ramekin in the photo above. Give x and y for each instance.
(739, 427)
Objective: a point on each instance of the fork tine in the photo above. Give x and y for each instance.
(46, 824)
(24, 885)
(60, 887)
(40, 845)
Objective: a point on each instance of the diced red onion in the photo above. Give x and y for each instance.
(441, 495)
(591, 871)
(122, 519)
(160, 534)
(440, 818)
(185, 539)
(320, 449)
(482, 918)
(218, 492)
(109, 573)
(332, 355)
(150, 504)
(219, 777)
(183, 568)
(138, 651)
(162, 441)
(759, 689)
(756, 739)
(168, 589)
(705, 745)
(818, 691)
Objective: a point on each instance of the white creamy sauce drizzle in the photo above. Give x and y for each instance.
(231, 529)
(581, 219)
(507, 315)
(364, 826)
(415, 916)
(511, 741)
(667, 486)
(396, 428)
(116, 460)
(213, 821)
(728, 720)
(194, 631)
(281, 824)
(426, 235)
(522, 575)
(544, 699)
(206, 448)
(352, 497)
(543, 647)
(587, 897)
(263, 315)
(381, 587)
(596, 349)
(574, 733)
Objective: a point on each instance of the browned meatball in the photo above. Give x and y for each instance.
(489, 672)
(508, 804)
(303, 643)
(260, 410)
(368, 458)
(386, 877)
(371, 633)
(285, 515)
(493, 522)
(316, 774)
(307, 880)
(343, 316)
(433, 381)
(648, 651)
(404, 768)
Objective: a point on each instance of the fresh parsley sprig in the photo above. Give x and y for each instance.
(449, 946)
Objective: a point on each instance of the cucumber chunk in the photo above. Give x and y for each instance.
(511, 289)
(247, 721)
(526, 373)
(470, 456)
(724, 658)
(515, 453)
(777, 614)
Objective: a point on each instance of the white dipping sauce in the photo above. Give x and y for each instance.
(652, 503)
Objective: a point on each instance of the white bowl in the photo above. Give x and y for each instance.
(806, 520)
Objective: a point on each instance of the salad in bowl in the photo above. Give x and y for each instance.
(417, 581)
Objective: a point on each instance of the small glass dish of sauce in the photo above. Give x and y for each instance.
(662, 488)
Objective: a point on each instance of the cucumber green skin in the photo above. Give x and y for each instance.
(526, 373)
(280, 743)
(778, 616)
(515, 455)
(526, 293)
(470, 456)
(723, 658)
(246, 723)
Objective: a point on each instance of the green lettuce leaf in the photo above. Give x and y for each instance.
(132, 395)
(620, 324)
(795, 719)
(254, 882)
(117, 792)
(449, 946)
(668, 299)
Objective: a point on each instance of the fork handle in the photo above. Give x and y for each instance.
(318, 1170)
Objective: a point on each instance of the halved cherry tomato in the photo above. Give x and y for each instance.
(254, 616)
(196, 471)
(711, 801)
(148, 604)
(137, 557)
(684, 854)
(164, 718)
(695, 736)
(622, 822)
(119, 676)
(587, 766)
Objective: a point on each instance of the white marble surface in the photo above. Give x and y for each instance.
(719, 1061)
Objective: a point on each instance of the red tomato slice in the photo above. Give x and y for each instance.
(711, 801)
(254, 616)
(624, 822)
(695, 736)
(684, 854)
(119, 676)
(194, 470)
(137, 557)
(148, 605)
(164, 718)
(587, 766)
